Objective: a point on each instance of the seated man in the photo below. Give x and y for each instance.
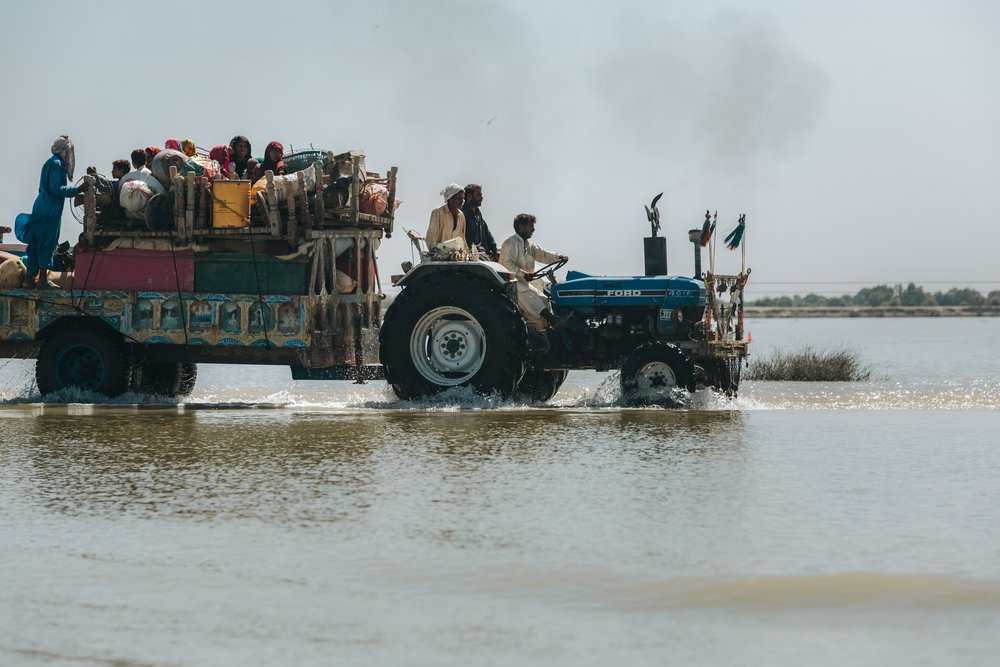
(112, 211)
(519, 257)
(448, 221)
(477, 232)
(139, 171)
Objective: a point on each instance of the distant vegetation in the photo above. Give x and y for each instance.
(809, 365)
(886, 295)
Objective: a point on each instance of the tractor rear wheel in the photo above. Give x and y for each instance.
(452, 329)
(653, 371)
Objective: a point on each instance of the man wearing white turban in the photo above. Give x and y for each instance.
(448, 221)
(40, 228)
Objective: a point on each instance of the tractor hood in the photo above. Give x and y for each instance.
(583, 292)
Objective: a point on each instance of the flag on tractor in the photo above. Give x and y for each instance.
(735, 236)
(707, 229)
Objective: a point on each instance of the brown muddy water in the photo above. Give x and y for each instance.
(269, 522)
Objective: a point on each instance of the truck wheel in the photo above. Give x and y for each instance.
(85, 356)
(724, 376)
(452, 330)
(653, 371)
(539, 385)
(164, 378)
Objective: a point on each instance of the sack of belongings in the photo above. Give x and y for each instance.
(133, 197)
(375, 199)
(203, 166)
(344, 283)
(12, 271)
(163, 161)
(282, 183)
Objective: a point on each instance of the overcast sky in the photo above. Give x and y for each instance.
(862, 139)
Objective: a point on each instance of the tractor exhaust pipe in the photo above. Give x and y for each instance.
(694, 235)
(655, 247)
(656, 255)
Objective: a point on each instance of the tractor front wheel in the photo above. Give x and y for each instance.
(653, 372)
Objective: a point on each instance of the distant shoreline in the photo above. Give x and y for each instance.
(763, 312)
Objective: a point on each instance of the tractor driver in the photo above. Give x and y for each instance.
(518, 255)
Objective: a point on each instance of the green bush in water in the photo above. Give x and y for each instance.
(809, 365)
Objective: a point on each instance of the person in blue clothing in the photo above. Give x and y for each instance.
(40, 228)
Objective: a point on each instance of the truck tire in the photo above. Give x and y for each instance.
(653, 371)
(86, 356)
(539, 385)
(452, 330)
(724, 375)
(164, 378)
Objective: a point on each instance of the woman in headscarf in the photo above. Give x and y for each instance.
(221, 155)
(187, 145)
(40, 228)
(172, 144)
(272, 156)
(448, 221)
(151, 152)
(240, 153)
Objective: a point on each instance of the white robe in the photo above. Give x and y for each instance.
(519, 255)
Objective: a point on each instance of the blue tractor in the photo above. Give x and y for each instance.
(456, 323)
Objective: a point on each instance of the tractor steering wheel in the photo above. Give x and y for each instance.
(548, 270)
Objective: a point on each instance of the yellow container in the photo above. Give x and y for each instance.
(231, 204)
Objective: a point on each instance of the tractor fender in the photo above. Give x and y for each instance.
(493, 272)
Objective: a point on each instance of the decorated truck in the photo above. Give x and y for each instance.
(279, 272)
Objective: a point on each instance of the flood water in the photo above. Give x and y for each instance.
(271, 522)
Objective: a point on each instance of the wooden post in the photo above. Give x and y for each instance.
(304, 215)
(291, 198)
(189, 187)
(315, 269)
(320, 206)
(179, 199)
(355, 188)
(391, 209)
(202, 184)
(90, 209)
(271, 197)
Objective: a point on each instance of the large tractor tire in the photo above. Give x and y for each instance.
(85, 355)
(452, 329)
(539, 385)
(164, 378)
(653, 371)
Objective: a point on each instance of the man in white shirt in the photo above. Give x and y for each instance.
(518, 255)
(140, 172)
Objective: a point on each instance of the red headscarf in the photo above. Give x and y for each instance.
(151, 152)
(268, 162)
(221, 155)
(172, 144)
